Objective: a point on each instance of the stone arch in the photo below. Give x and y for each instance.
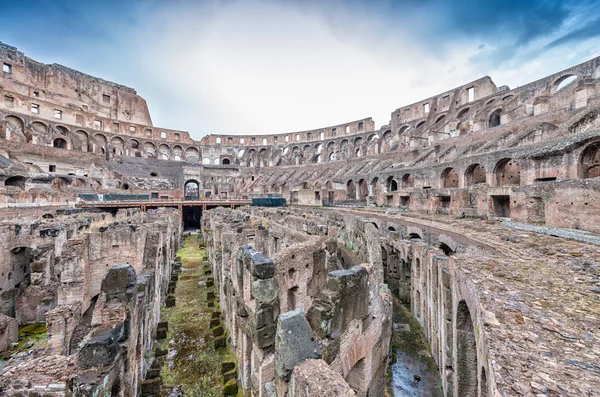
(82, 139)
(466, 351)
(390, 184)
(375, 187)
(420, 123)
(345, 148)
(389, 142)
(589, 162)
(15, 129)
(164, 152)
(507, 172)
(191, 188)
(357, 377)
(440, 118)
(62, 130)
(449, 178)
(262, 159)
(177, 153)
(403, 129)
(102, 143)
(225, 161)
(475, 174)
(275, 188)
(494, 118)
(358, 141)
(17, 181)
(372, 144)
(363, 189)
(150, 149)
(117, 145)
(60, 143)
(462, 115)
(350, 190)
(562, 82)
(507, 98)
(408, 181)
(192, 155)
(40, 132)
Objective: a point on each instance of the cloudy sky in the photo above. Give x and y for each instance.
(261, 66)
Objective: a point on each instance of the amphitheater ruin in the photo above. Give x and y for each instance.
(477, 211)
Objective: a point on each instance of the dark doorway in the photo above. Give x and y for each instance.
(501, 206)
(192, 217)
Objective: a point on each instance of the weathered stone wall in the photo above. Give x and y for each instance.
(98, 281)
(332, 305)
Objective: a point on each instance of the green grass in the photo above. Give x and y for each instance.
(197, 365)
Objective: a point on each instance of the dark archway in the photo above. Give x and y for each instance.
(494, 119)
(391, 184)
(18, 181)
(363, 189)
(589, 165)
(60, 143)
(408, 181)
(351, 190)
(191, 189)
(466, 347)
(225, 161)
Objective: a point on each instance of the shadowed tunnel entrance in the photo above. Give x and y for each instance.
(191, 217)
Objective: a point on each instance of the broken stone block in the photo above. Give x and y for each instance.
(100, 350)
(294, 342)
(265, 291)
(118, 280)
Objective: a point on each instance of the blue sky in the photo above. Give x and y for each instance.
(258, 67)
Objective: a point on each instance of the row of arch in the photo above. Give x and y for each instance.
(61, 137)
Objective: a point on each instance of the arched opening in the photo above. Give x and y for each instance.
(440, 118)
(447, 250)
(15, 129)
(475, 174)
(507, 172)
(357, 377)
(125, 186)
(412, 236)
(375, 188)
(589, 165)
(420, 123)
(449, 178)
(225, 161)
(494, 119)
(466, 352)
(462, 115)
(351, 190)
(563, 82)
(191, 189)
(18, 181)
(59, 143)
(363, 189)
(408, 181)
(391, 184)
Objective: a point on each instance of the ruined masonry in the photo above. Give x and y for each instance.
(477, 209)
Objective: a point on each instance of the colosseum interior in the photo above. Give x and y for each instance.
(454, 251)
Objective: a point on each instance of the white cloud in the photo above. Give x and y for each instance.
(260, 67)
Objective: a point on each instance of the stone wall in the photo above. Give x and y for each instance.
(98, 282)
